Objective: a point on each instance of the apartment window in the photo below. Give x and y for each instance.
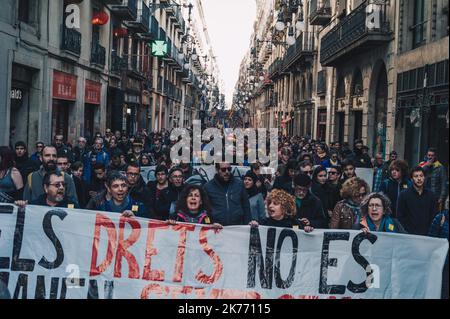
(419, 25)
(24, 11)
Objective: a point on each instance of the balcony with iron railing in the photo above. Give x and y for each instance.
(275, 67)
(71, 41)
(303, 49)
(355, 34)
(98, 54)
(117, 63)
(320, 12)
(126, 10)
(142, 22)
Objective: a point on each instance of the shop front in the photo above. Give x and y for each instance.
(64, 95)
(92, 100)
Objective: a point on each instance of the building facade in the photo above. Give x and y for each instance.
(77, 67)
(370, 70)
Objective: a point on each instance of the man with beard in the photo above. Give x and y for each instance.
(34, 186)
(137, 152)
(228, 197)
(98, 180)
(97, 156)
(80, 151)
(54, 193)
(23, 163)
(158, 186)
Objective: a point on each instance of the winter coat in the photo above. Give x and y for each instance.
(311, 208)
(229, 201)
(258, 207)
(436, 179)
(345, 215)
(392, 189)
(416, 212)
(167, 201)
(66, 203)
(26, 166)
(141, 193)
(91, 159)
(34, 187)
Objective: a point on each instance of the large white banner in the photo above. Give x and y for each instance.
(64, 253)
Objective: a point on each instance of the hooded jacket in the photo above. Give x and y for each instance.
(392, 189)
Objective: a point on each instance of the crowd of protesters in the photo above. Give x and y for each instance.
(315, 186)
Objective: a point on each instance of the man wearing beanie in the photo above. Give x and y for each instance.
(255, 197)
(309, 208)
(23, 163)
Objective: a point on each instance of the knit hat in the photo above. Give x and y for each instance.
(302, 180)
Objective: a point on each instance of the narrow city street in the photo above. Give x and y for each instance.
(224, 149)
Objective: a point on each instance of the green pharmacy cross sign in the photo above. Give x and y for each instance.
(159, 48)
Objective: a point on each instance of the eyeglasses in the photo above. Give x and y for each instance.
(177, 176)
(58, 185)
(225, 169)
(308, 172)
(133, 174)
(376, 206)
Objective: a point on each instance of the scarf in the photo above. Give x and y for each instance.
(355, 208)
(387, 224)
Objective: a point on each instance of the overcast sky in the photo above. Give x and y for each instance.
(230, 26)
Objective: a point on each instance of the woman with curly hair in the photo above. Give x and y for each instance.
(347, 213)
(281, 210)
(193, 207)
(376, 215)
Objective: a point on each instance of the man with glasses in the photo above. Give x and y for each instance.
(228, 197)
(34, 182)
(138, 190)
(306, 168)
(310, 211)
(334, 175)
(54, 193)
(169, 196)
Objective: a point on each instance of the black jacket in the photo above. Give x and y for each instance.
(26, 166)
(416, 212)
(311, 208)
(323, 193)
(284, 223)
(82, 191)
(362, 160)
(168, 197)
(42, 201)
(335, 194)
(230, 202)
(141, 193)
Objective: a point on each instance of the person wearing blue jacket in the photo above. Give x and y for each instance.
(228, 197)
(97, 155)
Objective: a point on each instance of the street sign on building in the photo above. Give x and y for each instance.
(159, 48)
